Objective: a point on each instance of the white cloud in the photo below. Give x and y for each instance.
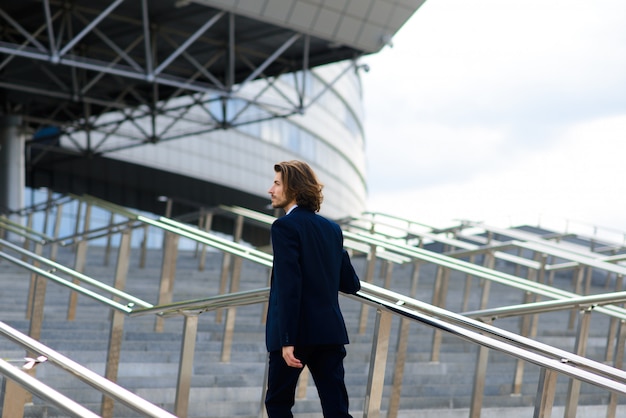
(503, 109)
(579, 178)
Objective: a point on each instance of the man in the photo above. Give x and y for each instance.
(305, 326)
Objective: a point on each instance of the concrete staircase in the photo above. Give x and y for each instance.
(149, 360)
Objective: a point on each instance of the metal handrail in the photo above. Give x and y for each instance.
(527, 349)
(44, 205)
(395, 299)
(95, 233)
(251, 251)
(579, 258)
(483, 272)
(385, 300)
(533, 238)
(96, 381)
(111, 206)
(215, 241)
(184, 230)
(44, 392)
(132, 300)
(453, 263)
(376, 295)
(581, 303)
(23, 231)
(209, 239)
(568, 366)
(466, 249)
(197, 306)
(398, 218)
(216, 302)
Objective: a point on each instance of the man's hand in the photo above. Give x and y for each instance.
(289, 358)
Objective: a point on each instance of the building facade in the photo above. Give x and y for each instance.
(236, 164)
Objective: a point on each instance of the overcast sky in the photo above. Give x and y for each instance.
(503, 111)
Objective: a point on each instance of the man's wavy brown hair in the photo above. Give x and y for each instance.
(301, 183)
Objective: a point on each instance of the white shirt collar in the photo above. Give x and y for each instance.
(291, 209)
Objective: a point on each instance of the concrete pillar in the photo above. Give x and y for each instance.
(12, 166)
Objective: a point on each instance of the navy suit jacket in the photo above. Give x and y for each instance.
(310, 268)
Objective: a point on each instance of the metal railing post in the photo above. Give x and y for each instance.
(107, 247)
(613, 325)
(488, 262)
(231, 314)
(468, 286)
(378, 363)
(185, 368)
(117, 322)
(534, 322)
(619, 364)
(577, 279)
(479, 382)
(168, 273)
(528, 322)
(208, 221)
(46, 212)
(439, 300)
(29, 224)
(36, 309)
(57, 230)
(79, 212)
(144, 247)
(588, 277)
(33, 285)
(369, 278)
(401, 350)
(79, 266)
(398, 372)
(227, 259)
(388, 266)
(227, 265)
(573, 391)
(38, 299)
(87, 220)
(14, 397)
(546, 389)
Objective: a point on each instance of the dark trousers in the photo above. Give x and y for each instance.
(325, 363)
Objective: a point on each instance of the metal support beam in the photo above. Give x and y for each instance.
(12, 178)
(68, 46)
(66, 54)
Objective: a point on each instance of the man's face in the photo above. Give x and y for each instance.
(277, 193)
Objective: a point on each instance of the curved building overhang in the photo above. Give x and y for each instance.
(362, 25)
